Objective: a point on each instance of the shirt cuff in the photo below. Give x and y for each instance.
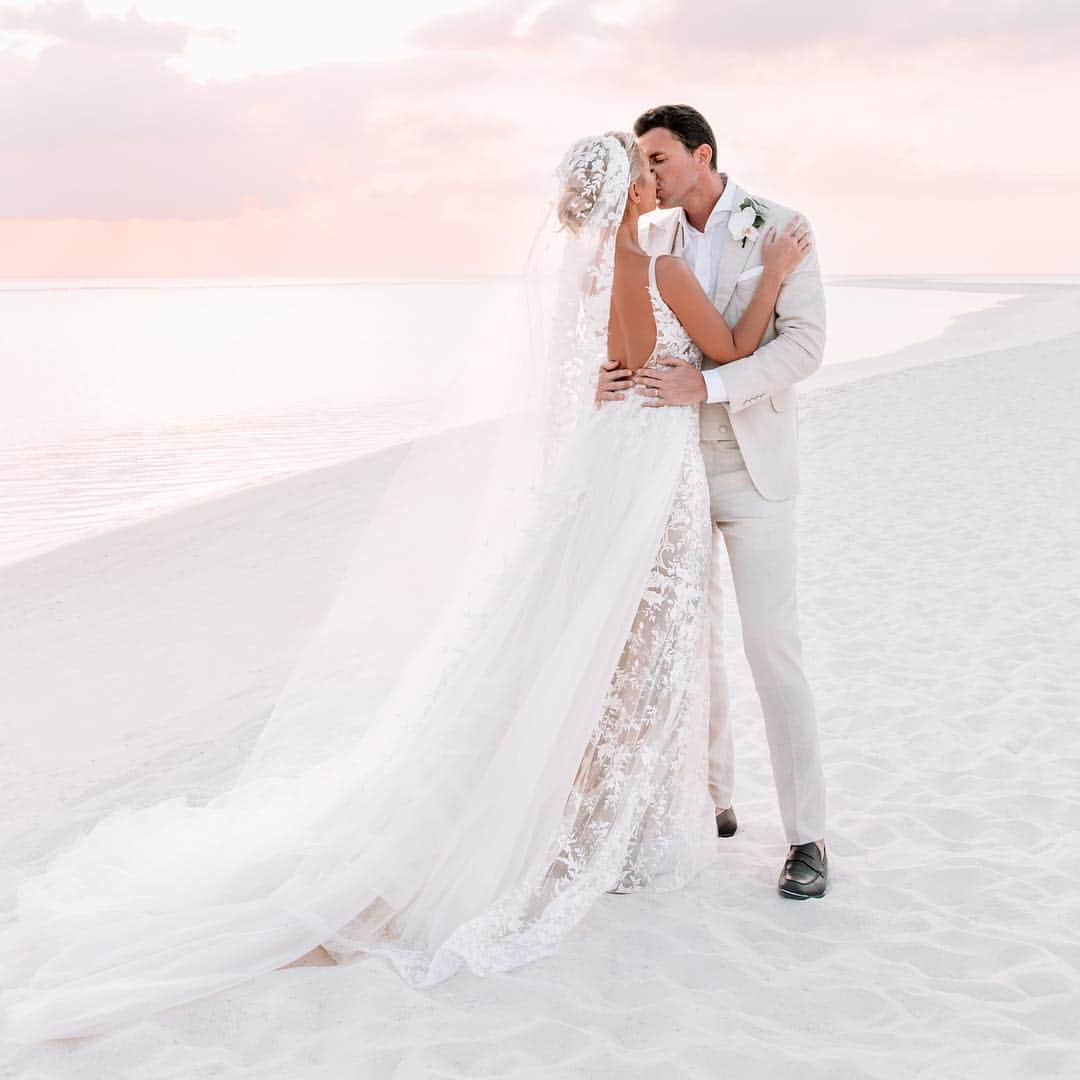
(714, 386)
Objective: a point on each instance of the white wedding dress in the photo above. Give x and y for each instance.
(556, 752)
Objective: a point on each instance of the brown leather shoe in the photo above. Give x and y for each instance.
(726, 823)
(806, 872)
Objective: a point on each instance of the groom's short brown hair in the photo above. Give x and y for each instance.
(684, 122)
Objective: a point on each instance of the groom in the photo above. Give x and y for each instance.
(749, 428)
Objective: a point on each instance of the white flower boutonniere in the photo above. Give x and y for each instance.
(745, 222)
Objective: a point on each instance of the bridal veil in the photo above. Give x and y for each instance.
(404, 794)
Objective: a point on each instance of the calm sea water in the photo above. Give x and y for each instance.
(123, 400)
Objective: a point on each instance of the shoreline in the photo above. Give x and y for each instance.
(937, 588)
(1034, 313)
(23, 284)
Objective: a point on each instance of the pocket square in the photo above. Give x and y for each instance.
(746, 275)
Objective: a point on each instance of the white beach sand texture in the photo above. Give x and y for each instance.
(940, 607)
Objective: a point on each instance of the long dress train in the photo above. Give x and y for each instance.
(638, 812)
(561, 754)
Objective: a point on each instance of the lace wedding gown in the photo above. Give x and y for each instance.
(637, 813)
(558, 754)
(640, 797)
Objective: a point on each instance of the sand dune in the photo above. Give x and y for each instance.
(940, 602)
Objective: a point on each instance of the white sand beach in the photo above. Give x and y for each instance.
(940, 611)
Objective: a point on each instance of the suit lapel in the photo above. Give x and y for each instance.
(733, 259)
(665, 235)
(678, 235)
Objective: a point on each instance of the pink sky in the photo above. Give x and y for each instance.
(917, 137)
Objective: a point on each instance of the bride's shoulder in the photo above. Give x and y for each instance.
(672, 271)
(676, 283)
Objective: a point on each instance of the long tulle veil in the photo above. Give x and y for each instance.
(382, 752)
(422, 579)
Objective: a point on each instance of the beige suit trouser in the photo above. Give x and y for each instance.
(759, 535)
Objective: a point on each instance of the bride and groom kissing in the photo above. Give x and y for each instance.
(576, 741)
(748, 441)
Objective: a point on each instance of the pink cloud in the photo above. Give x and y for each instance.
(70, 20)
(727, 30)
(114, 163)
(517, 26)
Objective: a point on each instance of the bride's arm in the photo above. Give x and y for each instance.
(685, 296)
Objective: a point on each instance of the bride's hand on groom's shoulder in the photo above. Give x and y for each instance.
(613, 382)
(780, 254)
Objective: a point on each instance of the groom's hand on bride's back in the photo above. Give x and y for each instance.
(674, 382)
(613, 382)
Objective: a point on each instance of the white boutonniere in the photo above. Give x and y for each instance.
(745, 222)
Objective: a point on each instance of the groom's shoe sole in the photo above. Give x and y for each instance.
(726, 822)
(802, 896)
(805, 875)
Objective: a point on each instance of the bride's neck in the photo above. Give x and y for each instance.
(626, 239)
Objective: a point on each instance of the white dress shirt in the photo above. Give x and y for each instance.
(701, 250)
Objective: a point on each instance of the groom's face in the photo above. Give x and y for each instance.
(675, 167)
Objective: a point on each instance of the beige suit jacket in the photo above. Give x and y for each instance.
(762, 410)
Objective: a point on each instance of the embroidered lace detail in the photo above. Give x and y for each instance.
(643, 773)
(555, 750)
(671, 338)
(638, 814)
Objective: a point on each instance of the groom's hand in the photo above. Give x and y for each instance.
(676, 383)
(613, 382)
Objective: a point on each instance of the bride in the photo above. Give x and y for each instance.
(543, 744)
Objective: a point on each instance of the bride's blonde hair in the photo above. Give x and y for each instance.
(583, 181)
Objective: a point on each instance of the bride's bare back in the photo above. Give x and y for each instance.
(632, 330)
(632, 326)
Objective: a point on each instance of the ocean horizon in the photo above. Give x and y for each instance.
(130, 398)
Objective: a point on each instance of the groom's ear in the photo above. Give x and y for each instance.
(704, 154)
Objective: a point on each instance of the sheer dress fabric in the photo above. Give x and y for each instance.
(547, 746)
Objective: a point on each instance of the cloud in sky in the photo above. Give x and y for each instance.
(907, 135)
(726, 31)
(72, 21)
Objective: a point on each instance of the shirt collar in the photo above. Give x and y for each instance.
(724, 205)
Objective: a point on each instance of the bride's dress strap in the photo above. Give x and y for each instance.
(652, 274)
